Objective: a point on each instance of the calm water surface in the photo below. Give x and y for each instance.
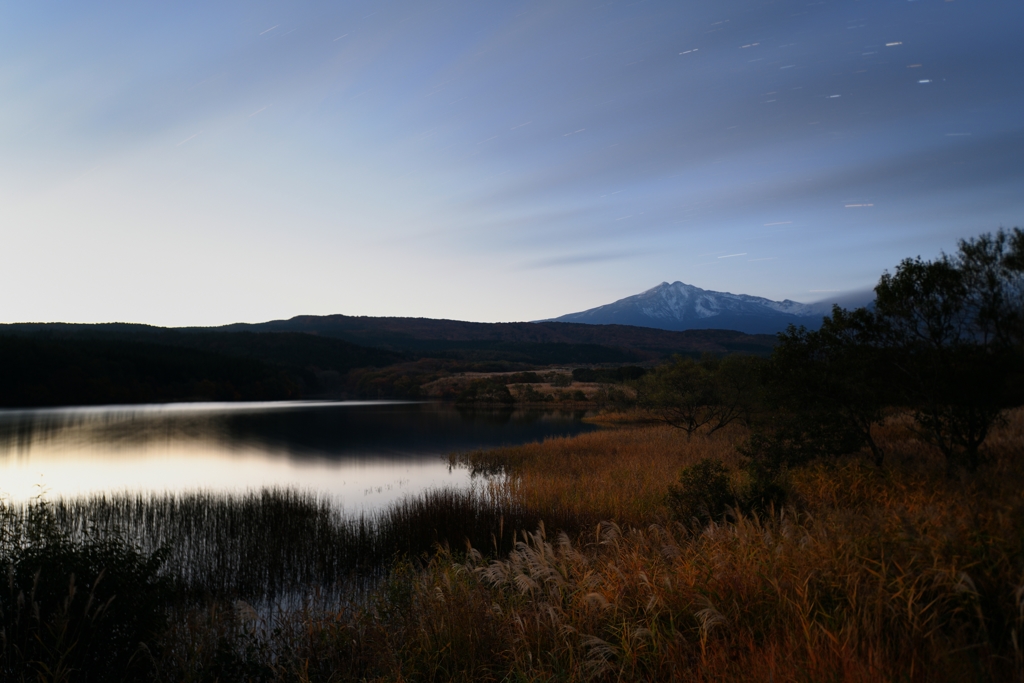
(364, 454)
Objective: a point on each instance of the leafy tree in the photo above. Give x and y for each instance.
(832, 380)
(704, 395)
(741, 385)
(952, 330)
(992, 268)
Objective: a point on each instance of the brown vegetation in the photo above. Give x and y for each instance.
(896, 574)
(620, 475)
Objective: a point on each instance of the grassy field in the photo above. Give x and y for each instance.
(895, 574)
(899, 574)
(576, 571)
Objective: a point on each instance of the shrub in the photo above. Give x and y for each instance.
(524, 378)
(525, 393)
(71, 610)
(703, 492)
(559, 379)
(485, 391)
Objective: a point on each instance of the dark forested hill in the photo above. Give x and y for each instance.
(293, 350)
(428, 335)
(50, 372)
(60, 363)
(65, 364)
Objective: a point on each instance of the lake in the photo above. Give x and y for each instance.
(362, 454)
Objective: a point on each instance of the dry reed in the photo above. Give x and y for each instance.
(894, 574)
(900, 574)
(621, 475)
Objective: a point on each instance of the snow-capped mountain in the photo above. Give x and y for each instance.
(679, 306)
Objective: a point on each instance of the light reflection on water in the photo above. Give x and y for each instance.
(363, 454)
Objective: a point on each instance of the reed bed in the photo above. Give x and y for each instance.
(898, 574)
(776, 599)
(576, 482)
(269, 544)
(575, 572)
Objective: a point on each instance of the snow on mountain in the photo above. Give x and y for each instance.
(679, 306)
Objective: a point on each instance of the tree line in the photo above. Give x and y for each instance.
(943, 341)
(55, 371)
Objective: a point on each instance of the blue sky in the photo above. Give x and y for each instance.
(204, 163)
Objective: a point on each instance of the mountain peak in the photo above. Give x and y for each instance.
(679, 306)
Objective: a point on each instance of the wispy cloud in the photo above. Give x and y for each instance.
(580, 259)
(445, 131)
(190, 137)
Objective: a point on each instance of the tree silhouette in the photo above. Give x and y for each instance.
(952, 331)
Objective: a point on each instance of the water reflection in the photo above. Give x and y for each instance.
(365, 454)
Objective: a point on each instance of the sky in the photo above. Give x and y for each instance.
(202, 163)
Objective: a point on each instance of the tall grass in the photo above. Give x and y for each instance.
(576, 482)
(265, 544)
(873, 575)
(776, 599)
(577, 573)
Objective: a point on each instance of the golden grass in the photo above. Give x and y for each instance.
(899, 574)
(620, 475)
(632, 417)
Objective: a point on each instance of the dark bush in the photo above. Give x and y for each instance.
(485, 391)
(524, 378)
(559, 379)
(83, 611)
(527, 394)
(619, 375)
(703, 492)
